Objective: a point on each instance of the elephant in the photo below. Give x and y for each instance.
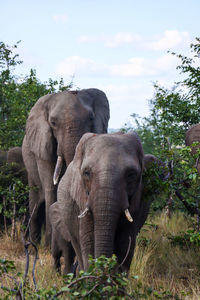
(193, 135)
(100, 204)
(14, 157)
(14, 164)
(53, 129)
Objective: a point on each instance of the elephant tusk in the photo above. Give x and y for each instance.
(58, 169)
(128, 215)
(84, 213)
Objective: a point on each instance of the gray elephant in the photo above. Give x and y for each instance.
(53, 129)
(13, 163)
(100, 207)
(14, 157)
(192, 136)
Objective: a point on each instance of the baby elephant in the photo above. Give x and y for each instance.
(100, 207)
(61, 247)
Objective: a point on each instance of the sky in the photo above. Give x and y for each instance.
(118, 46)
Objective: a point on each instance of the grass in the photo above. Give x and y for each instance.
(157, 264)
(160, 265)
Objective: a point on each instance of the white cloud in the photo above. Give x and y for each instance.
(171, 39)
(126, 99)
(122, 38)
(166, 62)
(83, 66)
(119, 39)
(134, 67)
(87, 38)
(72, 65)
(60, 18)
(77, 65)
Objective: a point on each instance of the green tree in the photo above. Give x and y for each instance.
(172, 112)
(18, 95)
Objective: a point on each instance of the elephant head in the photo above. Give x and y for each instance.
(100, 205)
(53, 129)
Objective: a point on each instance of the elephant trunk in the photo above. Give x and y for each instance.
(68, 149)
(106, 215)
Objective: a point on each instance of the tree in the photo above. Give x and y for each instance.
(172, 112)
(18, 95)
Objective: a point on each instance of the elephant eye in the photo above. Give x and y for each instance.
(53, 122)
(131, 176)
(86, 173)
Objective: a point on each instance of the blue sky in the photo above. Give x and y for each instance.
(118, 46)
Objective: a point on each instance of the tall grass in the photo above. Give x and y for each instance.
(157, 264)
(162, 266)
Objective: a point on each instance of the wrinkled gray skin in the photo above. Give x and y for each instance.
(62, 247)
(105, 176)
(54, 128)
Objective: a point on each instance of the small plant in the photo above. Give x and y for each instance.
(186, 239)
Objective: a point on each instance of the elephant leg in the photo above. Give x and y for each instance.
(37, 220)
(69, 256)
(46, 170)
(56, 251)
(36, 196)
(36, 210)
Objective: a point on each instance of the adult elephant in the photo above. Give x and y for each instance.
(192, 136)
(53, 129)
(14, 157)
(100, 206)
(12, 163)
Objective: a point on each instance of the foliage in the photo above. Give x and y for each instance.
(102, 281)
(172, 112)
(186, 239)
(18, 95)
(13, 192)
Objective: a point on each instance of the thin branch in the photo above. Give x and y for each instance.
(73, 283)
(26, 246)
(90, 291)
(125, 293)
(197, 162)
(190, 209)
(29, 221)
(34, 264)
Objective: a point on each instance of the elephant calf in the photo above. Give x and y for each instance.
(100, 207)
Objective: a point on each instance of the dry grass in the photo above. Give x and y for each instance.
(158, 264)
(164, 267)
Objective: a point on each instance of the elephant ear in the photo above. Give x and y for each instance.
(56, 219)
(39, 134)
(75, 185)
(98, 102)
(193, 135)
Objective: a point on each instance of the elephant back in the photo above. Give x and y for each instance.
(193, 135)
